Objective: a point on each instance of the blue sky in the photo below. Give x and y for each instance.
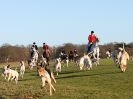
(65, 21)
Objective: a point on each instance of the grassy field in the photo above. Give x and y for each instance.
(102, 82)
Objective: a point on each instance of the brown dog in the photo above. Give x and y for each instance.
(45, 78)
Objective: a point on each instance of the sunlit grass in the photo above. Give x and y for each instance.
(102, 82)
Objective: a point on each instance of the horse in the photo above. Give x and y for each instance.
(33, 59)
(95, 52)
(31, 63)
(64, 58)
(76, 58)
(71, 56)
(108, 54)
(35, 56)
(46, 54)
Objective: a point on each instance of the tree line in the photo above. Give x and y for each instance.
(10, 53)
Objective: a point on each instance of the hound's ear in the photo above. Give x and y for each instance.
(8, 66)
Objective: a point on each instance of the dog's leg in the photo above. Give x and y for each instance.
(16, 79)
(13, 78)
(67, 62)
(53, 87)
(50, 87)
(121, 68)
(22, 74)
(81, 66)
(52, 76)
(5, 76)
(88, 67)
(56, 73)
(31, 67)
(60, 69)
(9, 77)
(43, 81)
(50, 90)
(124, 67)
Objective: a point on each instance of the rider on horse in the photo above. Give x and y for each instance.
(63, 51)
(46, 48)
(71, 55)
(75, 53)
(33, 49)
(46, 53)
(63, 55)
(91, 42)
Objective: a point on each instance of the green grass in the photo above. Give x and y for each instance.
(102, 82)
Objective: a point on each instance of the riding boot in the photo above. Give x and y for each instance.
(89, 48)
(32, 54)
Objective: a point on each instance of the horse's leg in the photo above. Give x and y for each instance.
(47, 59)
(36, 57)
(94, 55)
(67, 62)
(98, 56)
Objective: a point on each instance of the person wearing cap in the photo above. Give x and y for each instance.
(33, 49)
(34, 44)
(75, 51)
(63, 52)
(91, 39)
(45, 47)
(46, 52)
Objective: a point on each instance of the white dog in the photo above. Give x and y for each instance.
(45, 78)
(85, 62)
(124, 56)
(43, 61)
(108, 54)
(12, 74)
(22, 68)
(4, 74)
(31, 63)
(58, 66)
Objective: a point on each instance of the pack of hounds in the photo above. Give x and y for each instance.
(47, 76)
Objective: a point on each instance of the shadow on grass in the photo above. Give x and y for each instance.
(99, 74)
(70, 72)
(26, 79)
